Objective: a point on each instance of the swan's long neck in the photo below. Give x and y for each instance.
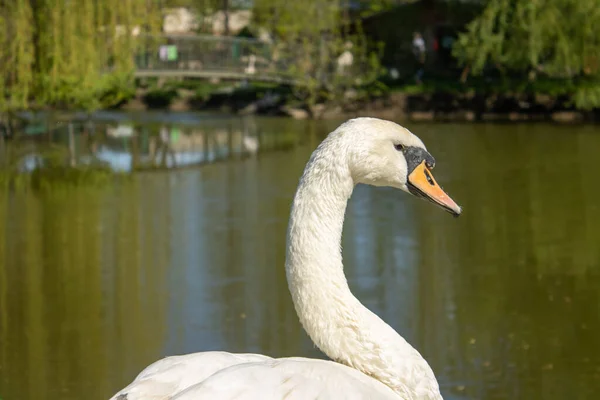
(335, 320)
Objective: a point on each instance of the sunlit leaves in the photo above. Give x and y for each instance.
(67, 53)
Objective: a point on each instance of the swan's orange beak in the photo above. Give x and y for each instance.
(422, 184)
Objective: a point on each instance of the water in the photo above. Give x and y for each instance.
(504, 302)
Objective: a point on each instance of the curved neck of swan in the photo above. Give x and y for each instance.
(335, 320)
(314, 261)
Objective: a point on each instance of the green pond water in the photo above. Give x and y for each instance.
(98, 281)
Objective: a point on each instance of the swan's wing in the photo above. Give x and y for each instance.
(162, 379)
(250, 376)
(290, 379)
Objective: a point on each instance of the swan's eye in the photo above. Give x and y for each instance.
(399, 147)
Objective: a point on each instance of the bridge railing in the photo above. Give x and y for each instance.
(206, 54)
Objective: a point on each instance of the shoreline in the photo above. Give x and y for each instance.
(393, 105)
(426, 107)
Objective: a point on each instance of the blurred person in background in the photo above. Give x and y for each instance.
(418, 47)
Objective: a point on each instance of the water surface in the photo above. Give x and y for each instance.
(504, 302)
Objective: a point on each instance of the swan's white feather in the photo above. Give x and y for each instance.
(221, 375)
(171, 375)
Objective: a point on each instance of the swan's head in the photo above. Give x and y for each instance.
(383, 153)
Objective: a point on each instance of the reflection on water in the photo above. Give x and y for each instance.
(503, 302)
(145, 142)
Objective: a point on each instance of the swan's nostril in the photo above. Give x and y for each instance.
(429, 178)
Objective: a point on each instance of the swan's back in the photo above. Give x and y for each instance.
(164, 378)
(220, 375)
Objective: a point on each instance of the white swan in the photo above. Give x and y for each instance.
(371, 360)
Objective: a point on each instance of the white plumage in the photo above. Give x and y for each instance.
(371, 360)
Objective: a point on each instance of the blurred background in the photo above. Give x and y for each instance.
(149, 153)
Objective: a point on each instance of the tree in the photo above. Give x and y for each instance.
(70, 53)
(309, 38)
(551, 38)
(16, 53)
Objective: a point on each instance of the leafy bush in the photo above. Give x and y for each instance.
(160, 98)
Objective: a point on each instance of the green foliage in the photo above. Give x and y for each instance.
(587, 95)
(314, 35)
(114, 89)
(370, 7)
(70, 54)
(16, 53)
(552, 38)
(160, 97)
(203, 92)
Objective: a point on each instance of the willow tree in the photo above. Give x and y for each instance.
(551, 38)
(309, 39)
(16, 53)
(70, 53)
